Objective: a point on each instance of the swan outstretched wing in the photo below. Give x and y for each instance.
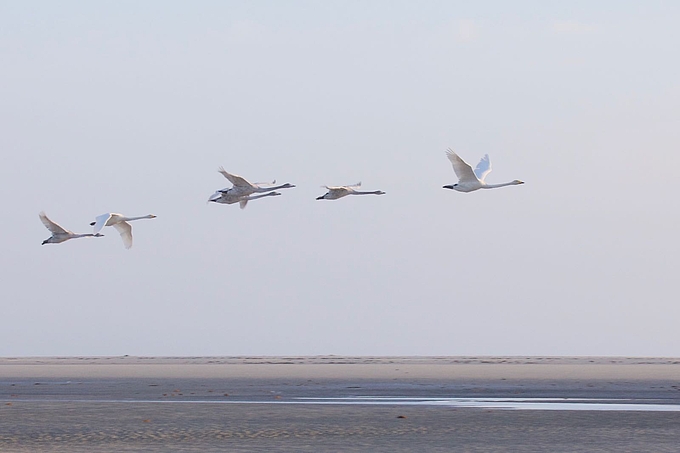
(353, 186)
(236, 180)
(462, 169)
(483, 168)
(260, 184)
(50, 225)
(100, 221)
(125, 230)
(338, 192)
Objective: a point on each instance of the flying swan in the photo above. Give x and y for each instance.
(341, 191)
(120, 223)
(227, 198)
(469, 180)
(60, 234)
(242, 187)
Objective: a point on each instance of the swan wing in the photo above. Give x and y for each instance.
(236, 180)
(338, 192)
(260, 184)
(50, 225)
(483, 168)
(125, 230)
(100, 222)
(352, 186)
(462, 169)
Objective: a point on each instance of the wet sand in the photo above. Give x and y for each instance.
(119, 404)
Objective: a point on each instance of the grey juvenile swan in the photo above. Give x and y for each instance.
(227, 198)
(341, 191)
(241, 187)
(60, 234)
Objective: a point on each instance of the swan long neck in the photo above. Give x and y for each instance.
(255, 197)
(493, 186)
(127, 219)
(84, 235)
(270, 188)
(376, 192)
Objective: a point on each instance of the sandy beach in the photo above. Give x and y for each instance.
(331, 403)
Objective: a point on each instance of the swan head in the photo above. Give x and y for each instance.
(98, 235)
(151, 216)
(458, 188)
(517, 181)
(287, 186)
(46, 241)
(322, 197)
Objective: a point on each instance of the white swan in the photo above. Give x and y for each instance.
(60, 234)
(341, 191)
(241, 187)
(469, 180)
(226, 198)
(120, 223)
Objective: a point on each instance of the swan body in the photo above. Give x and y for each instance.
(60, 234)
(241, 186)
(228, 198)
(469, 180)
(120, 223)
(341, 191)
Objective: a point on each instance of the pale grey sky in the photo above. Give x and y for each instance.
(132, 106)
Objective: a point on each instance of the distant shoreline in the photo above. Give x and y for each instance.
(344, 367)
(324, 359)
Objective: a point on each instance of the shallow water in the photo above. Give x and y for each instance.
(543, 404)
(65, 412)
(554, 404)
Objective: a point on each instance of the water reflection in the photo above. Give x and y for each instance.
(544, 404)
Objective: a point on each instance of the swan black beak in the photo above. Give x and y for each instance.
(320, 198)
(447, 187)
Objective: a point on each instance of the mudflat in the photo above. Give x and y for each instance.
(331, 403)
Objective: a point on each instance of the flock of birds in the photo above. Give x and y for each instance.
(243, 191)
